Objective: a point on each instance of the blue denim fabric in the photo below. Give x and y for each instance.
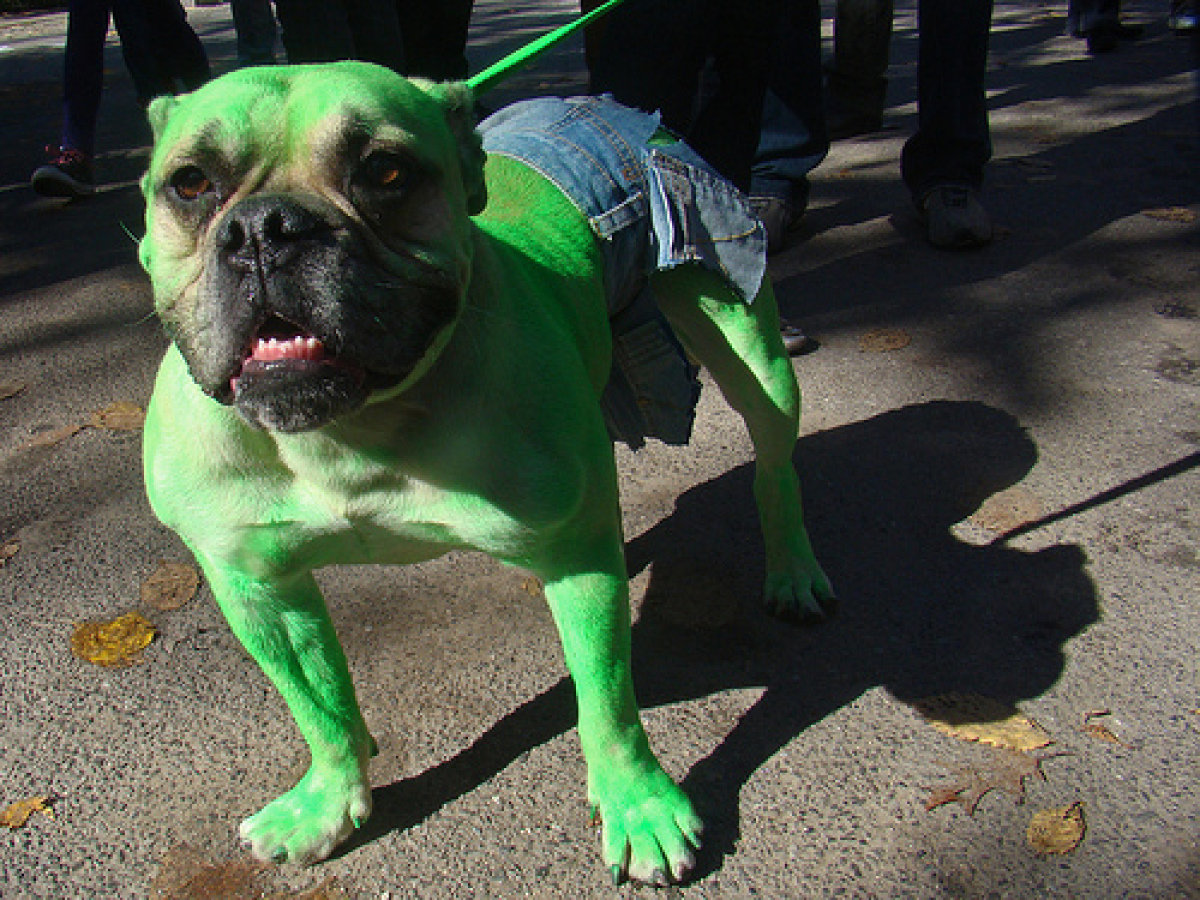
(654, 205)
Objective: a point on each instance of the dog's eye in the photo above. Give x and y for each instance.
(190, 183)
(385, 171)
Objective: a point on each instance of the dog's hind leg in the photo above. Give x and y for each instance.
(740, 345)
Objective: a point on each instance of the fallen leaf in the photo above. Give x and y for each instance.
(119, 416)
(1005, 771)
(530, 584)
(1008, 510)
(10, 389)
(884, 340)
(17, 814)
(971, 717)
(8, 550)
(170, 586)
(52, 437)
(1179, 214)
(186, 875)
(1100, 731)
(116, 643)
(1057, 830)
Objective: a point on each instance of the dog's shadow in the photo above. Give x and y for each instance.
(921, 612)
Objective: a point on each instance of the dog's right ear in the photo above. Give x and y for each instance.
(458, 104)
(159, 111)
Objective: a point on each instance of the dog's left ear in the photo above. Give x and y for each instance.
(458, 104)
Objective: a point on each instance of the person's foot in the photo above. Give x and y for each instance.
(68, 174)
(1102, 39)
(795, 341)
(779, 217)
(954, 218)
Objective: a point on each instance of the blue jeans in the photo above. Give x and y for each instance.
(157, 43)
(792, 139)
(652, 204)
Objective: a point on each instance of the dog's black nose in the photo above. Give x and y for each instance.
(266, 231)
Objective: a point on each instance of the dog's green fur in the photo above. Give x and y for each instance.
(490, 437)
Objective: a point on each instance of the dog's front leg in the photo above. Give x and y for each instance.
(285, 627)
(649, 826)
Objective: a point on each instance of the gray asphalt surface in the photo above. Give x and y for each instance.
(1008, 503)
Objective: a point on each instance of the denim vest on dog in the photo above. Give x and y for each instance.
(654, 204)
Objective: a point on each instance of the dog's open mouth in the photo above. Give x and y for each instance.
(281, 348)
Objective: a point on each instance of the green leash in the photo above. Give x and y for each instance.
(497, 71)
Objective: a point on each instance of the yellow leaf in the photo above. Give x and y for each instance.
(1057, 830)
(970, 717)
(884, 340)
(119, 416)
(1179, 214)
(170, 586)
(115, 643)
(50, 438)
(17, 814)
(10, 389)
(8, 550)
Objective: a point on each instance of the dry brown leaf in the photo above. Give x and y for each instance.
(10, 389)
(884, 340)
(1057, 830)
(1179, 214)
(1008, 510)
(186, 875)
(8, 550)
(1005, 771)
(971, 717)
(52, 437)
(17, 814)
(119, 416)
(1100, 731)
(170, 586)
(116, 643)
(531, 584)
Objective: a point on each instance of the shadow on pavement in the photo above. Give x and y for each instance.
(921, 611)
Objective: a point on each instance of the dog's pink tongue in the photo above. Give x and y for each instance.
(299, 347)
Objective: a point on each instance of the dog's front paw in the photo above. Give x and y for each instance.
(649, 829)
(306, 823)
(803, 594)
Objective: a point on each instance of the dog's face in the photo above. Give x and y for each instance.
(307, 234)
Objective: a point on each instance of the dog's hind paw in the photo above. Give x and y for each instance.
(803, 596)
(649, 833)
(309, 821)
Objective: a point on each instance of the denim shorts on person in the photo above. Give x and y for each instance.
(654, 205)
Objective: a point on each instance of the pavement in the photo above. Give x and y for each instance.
(1000, 457)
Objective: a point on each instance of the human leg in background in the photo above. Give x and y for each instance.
(942, 164)
(435, 37)
(68, 173)
(254, 22)
(856, 80)
(792, 139)
(330, 30)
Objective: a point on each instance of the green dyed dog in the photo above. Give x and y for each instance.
(384, 348)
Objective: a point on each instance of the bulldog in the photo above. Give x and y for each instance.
(387, 343)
